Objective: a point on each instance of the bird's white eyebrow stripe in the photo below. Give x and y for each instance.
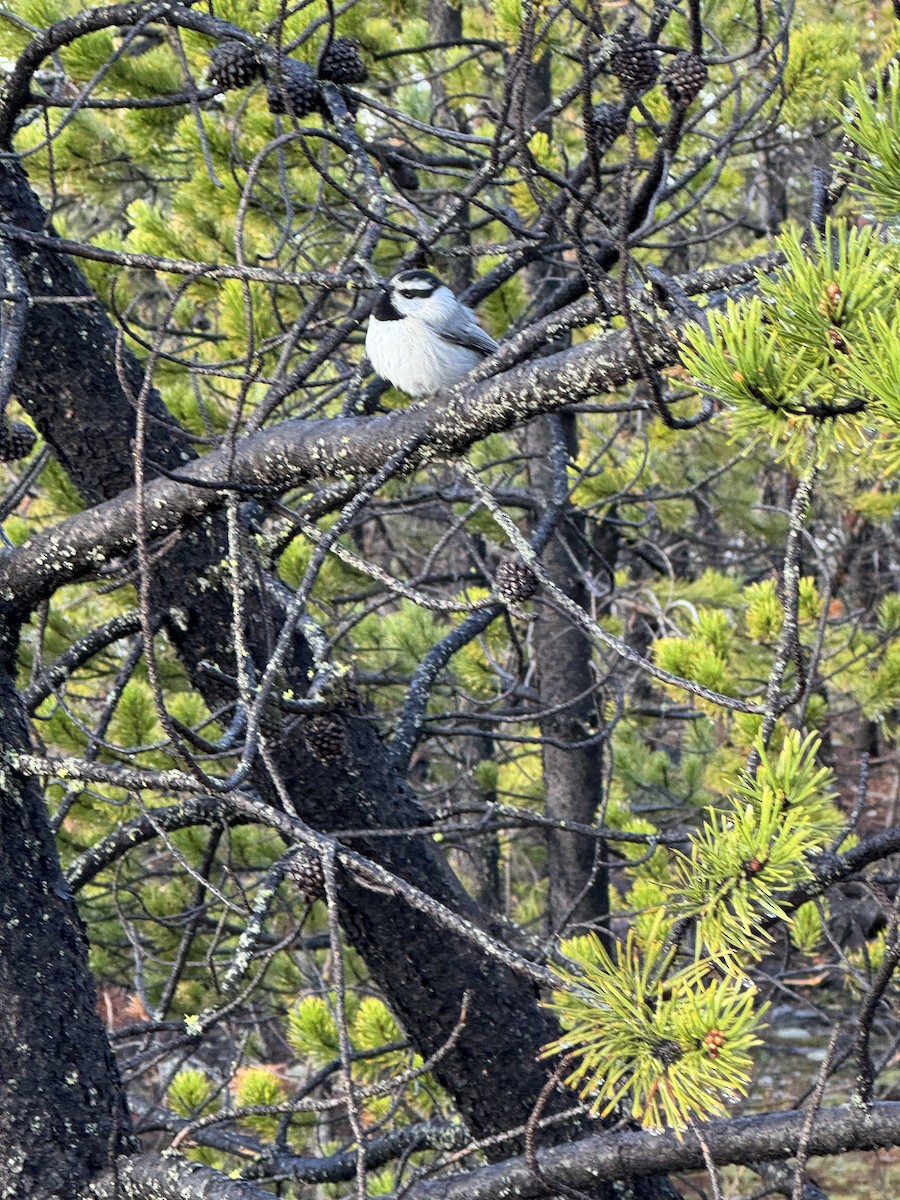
(415, 285)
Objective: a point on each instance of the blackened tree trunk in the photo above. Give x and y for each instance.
(62, 1110)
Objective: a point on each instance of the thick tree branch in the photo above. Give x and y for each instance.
(297, 453)
(168, 1177)
(772, 1137)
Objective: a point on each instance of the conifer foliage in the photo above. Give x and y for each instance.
(440, 783)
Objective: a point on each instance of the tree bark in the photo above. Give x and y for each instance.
(63, 1116)
(492, 1070)
(769, 1137)
(573, 772)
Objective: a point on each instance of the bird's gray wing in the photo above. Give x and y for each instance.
(461, 328)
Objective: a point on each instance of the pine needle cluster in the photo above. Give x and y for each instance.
(670, 1046)
(665, 1029)
(798, 359)
(817, 350)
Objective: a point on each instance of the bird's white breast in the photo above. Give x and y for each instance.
(409, 354)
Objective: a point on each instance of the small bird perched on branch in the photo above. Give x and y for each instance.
(421, 338)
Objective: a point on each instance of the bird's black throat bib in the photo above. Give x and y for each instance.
(384, 310)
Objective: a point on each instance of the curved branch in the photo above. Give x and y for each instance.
(438, 657)
(195, 810)
(187, 266)
(829, 869)
(77, 655)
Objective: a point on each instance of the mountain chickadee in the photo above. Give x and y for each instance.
(420, 338)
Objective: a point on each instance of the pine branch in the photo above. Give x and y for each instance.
(772, 1137)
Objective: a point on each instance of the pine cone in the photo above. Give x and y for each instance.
(636, 64)
(609, 121)
(684, 77)
(295, 91)
(324, 734)
(16, 439)
(305, 868)
(515, 581)
(233, 65)
(341, 62)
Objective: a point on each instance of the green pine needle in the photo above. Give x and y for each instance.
(672, 1047)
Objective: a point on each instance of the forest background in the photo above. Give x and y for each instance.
(491, 795)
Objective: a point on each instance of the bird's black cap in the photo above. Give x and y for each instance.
(415, 283)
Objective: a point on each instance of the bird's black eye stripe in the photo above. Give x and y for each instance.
(414, 293)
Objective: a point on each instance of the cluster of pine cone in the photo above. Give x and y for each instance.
(636, 65)
(292, 87)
